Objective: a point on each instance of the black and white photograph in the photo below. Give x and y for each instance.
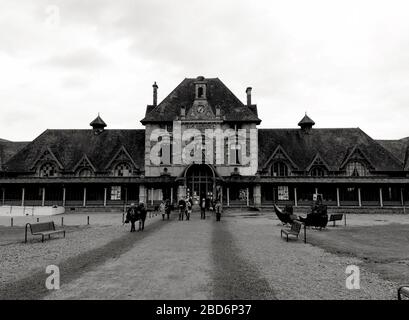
(204, 155)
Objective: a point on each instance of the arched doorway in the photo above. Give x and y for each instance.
(200, 181)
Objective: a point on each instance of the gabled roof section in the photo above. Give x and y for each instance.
(47, 155)
(333, 145)
(84, 162)
(121, 155)
(356, 154)
(69, 146)
(280, 154)
(8, 149)
(231, 108)
(318, 161)
(396, 147)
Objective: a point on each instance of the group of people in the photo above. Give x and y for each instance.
(135, 213)
(139, 212)
(185, 208)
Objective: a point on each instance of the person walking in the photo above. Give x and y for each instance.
(188, 208)
(203, 209)
(162, 208)
(132, 216)
(142, 216)
(168, 208)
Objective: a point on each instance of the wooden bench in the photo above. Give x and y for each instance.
(403, 291)
(294, 231)
(42, 229)
(335, 217)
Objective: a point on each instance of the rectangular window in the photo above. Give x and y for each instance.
(283, 193)
(116, 193)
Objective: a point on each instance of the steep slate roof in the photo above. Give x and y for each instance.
(397, 147)
(9, 149)
(333, 145)
(231, 108)
(69, 147)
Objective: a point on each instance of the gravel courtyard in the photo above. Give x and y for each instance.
(241, 257)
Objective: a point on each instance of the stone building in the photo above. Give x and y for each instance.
(203, 141)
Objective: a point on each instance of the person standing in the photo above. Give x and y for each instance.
(188, 208)
(168, 208)
(218, 208)
(162, 208)
(182, 208)
(203, 209)
(142, 216)
(132, 216)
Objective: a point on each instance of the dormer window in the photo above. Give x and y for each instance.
(356, 169)
(48, 170)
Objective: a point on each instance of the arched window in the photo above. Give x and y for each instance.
(48, 170)
(279, 169)
(317, 171)
(123, 170)
(356, 169)
(85, 172)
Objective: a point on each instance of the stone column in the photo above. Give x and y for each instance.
(63, 196)
(247, 197)
(228, 197)
(23, 194)
(84, 202)
(105, 196)
(295, 197)
(171, 195)
(359, 197)
(142, 193)
(380, 197)
(338, 201)
(402, 199)
(152, 191)
(3, 199)
(257, 195)
(43, 198)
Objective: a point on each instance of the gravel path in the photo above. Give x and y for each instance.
(235, 277)
(23, 265)
(172, 263)
(302, 271)
(242, 257)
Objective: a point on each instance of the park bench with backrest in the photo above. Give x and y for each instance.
(403, 291)
(294, 231)
(42, 229)
(335, 217)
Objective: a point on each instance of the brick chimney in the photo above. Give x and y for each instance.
(248, 92)
(155, 94)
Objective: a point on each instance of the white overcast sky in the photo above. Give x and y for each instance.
(344, 62)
